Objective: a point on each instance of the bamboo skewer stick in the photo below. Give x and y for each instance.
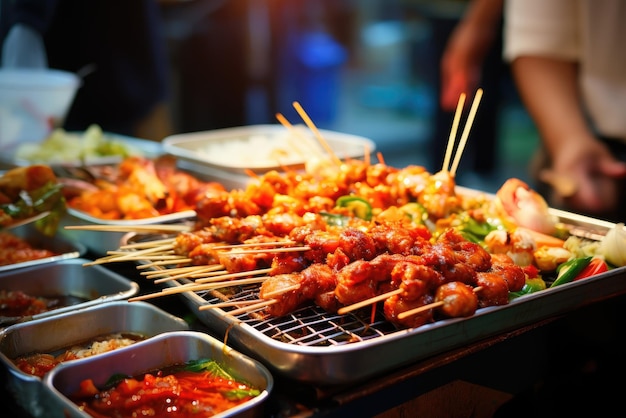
(147, 244)
(466, 130)
(253, 244)
(370, 301)
(188, 269)
(307, 120)
(452, 137)
(433, 305)
(132, 228)
(269, 250)
(248, 308)
(164, 263)
(278, 292)
(233, 275)
(229, 304)
(415, 311)
(303, 140)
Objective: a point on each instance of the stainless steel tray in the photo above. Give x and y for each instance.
(136, 146)
(314, 346)
(163, 350)
(59, 332)
(260, 147)
(94, 284)
(99, 242)
(64, 248)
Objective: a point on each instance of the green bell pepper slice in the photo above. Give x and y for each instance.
(567, 271)
(533, 285)
(360, 207)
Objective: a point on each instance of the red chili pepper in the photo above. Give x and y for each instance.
(595, 266)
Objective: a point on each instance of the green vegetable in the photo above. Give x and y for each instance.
(416, 212)
(567, 271)
(475, 231)
(530, 286)
(334, 219)
(360, 207)
(47, 198)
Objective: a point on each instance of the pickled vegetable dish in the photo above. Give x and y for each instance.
(199, 388)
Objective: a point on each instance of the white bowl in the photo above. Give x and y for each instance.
(33, 102)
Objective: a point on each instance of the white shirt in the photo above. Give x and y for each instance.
(591, 32)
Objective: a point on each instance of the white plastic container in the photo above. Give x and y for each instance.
(33, 102)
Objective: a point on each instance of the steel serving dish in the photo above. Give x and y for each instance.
(227, 155)
(9, 158)
(57, 333)
(63, 248)
(93, 284)
(158, 352)
(321, 348)
(99, 242)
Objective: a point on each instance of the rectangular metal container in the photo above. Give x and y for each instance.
(321, 348)
(206, 152)
(59, 332)
(95, 284)
(64, 248)
(9, 158)
(99, 242)
(158, 352)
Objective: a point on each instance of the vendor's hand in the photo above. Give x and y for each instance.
(462, 62)
(596, 173)
(24, 48)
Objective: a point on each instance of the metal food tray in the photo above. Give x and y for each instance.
(206, 149)
(63, 248)
(8, 158)
(59, 332)
(99, 242)
(161, 351)
(95, 284)
(314, 346)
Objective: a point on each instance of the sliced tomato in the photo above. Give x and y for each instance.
(595, 266)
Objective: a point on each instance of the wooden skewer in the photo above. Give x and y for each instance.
(120, 252)
(181, 275)
(188, 269)
(196, 287)
(452, 137)
(234, 275)
(164, 263)
(193, 287)
(303, 140)
(131, 228)
(307, 120)
(415, 311)
(370, 301)
(229, 304)
(149, 253)
(466, 131)
(252, 244)
(269, 250)
(426, 307)
(278, 292)
(147, 244)
(250, 307)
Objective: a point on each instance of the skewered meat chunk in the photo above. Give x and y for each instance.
(459, 299)
(396, 304)
(292, 290)
(494, 289)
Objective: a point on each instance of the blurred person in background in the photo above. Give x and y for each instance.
(569, 64)
(467, 38)
(117, 48)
